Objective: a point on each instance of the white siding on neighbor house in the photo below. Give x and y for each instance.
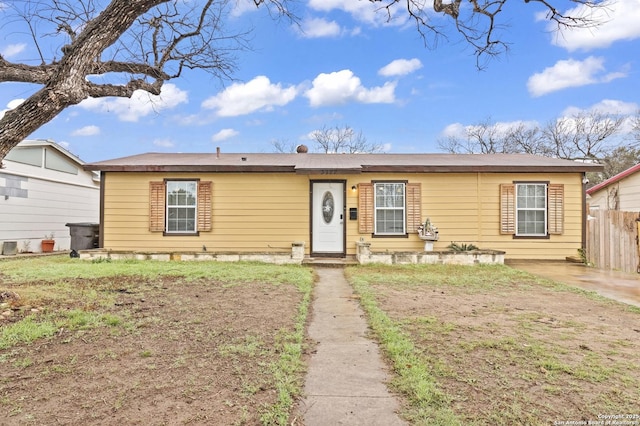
(598, 200)
(630, 193)
(623, 195)
(36, 202)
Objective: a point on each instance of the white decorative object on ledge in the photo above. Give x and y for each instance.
(428, 232)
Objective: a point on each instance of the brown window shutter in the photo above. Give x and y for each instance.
(556, 208)
(157, 194)
(414, 207)
(507, 208)
(204, 206)
(365, 208)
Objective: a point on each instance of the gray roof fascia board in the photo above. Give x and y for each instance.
(178, 168)
(476, 169)
(342, 163)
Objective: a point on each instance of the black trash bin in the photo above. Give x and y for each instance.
(84, 236)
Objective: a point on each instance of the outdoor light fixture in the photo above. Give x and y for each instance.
(353, 188)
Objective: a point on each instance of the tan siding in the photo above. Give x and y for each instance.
(248, 213)
(267, 212)
(557, 246)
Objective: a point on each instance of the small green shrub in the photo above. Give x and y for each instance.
(462, 246)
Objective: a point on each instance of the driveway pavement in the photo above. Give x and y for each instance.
(614, 285)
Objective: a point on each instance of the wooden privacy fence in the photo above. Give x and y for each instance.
(612, 240)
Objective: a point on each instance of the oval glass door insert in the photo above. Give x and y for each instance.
(327, 207)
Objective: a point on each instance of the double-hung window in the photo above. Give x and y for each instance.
(181, 206)
(531, 209)
(389, 208)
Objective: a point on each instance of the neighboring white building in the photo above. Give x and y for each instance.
(620, 192)
(42, 188)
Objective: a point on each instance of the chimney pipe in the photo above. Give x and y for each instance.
(217, 152)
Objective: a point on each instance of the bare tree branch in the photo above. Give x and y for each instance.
(146, 43)
(22, 73)
(335, 140)
(584, 136)
(143, 43)
(479, 24)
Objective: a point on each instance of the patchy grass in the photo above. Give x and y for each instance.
(176, 342)
(495, 345)
(55, 268)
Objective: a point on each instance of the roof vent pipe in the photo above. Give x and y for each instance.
(217, 152)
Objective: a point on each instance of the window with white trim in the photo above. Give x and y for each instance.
(182, 199)
(389, 208)
(531, 209)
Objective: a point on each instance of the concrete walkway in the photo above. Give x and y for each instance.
(346, 376)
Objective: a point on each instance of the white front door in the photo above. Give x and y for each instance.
(327, 218)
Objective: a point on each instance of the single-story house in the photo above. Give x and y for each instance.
(620, 192)
(528, 206)
(42, 188)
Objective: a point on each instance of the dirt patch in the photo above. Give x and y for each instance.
(523, 354)
(184, 352)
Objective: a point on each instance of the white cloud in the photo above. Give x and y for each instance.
(363, 11)
(163, 143)
(605, 106)
(570, 73)
(86, 131)
(139, 105)
(340, 87)
(256, 95)
(455, 130)
(13, 49)
(11, 105)
(460, 131)
(619, 21)
(318, 27)
(243, 6)
(400, 67)
(224, 134)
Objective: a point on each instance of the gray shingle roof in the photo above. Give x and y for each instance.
(340, 163)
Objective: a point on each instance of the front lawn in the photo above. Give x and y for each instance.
(144, 342)
(494, 345)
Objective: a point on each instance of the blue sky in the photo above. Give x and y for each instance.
(345, 65)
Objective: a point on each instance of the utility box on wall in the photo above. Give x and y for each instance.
(353, 213)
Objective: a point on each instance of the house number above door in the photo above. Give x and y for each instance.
(327, 207)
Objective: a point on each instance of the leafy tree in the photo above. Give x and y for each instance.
(145, 43)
